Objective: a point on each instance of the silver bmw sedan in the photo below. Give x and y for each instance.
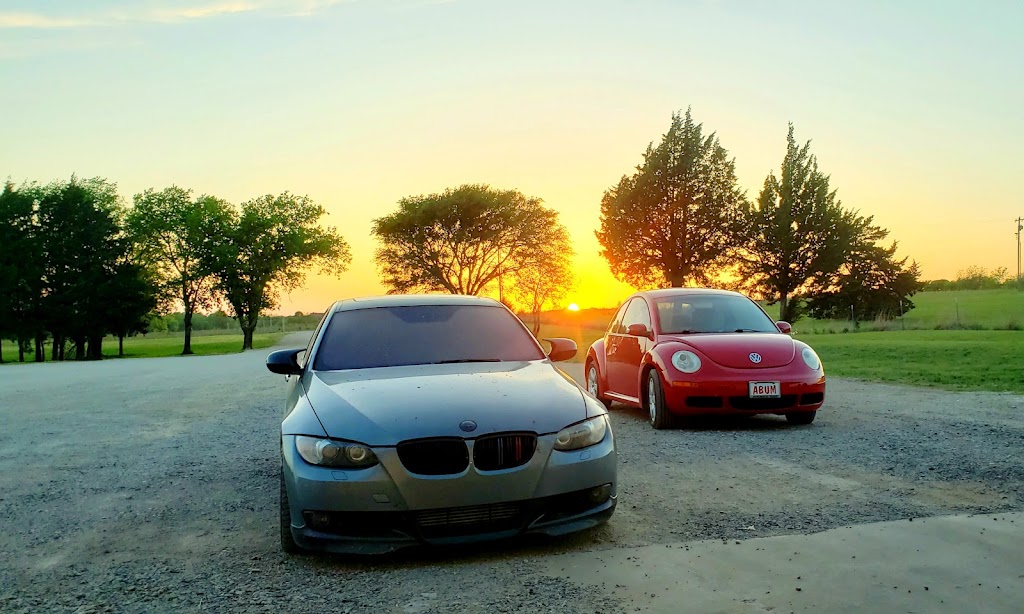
(431, 419)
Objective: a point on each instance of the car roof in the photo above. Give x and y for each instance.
(411, 300)
(667, 292)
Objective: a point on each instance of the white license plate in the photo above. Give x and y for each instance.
(764, 390)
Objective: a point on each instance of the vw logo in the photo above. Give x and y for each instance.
(755, 357)
(467, 426)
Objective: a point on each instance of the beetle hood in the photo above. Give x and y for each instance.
(384, 406)
(734, 349)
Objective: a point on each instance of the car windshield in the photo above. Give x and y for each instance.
(695, 313)
(423, 334)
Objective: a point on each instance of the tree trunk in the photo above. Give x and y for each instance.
(21, 348)
(784, 306)
(1, 350)
(40, 351)
(120, 346)
(536, 322)
(247, 332)
(79, 347)
(58, 342)
(188, 331)
(96, 347)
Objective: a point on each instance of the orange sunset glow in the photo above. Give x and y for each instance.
(358, 104)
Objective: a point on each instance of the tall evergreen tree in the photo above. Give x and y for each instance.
(674, 220)
(796, 233)
(872, 283)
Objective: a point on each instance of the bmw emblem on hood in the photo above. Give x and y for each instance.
(467, 426)
(755, 357)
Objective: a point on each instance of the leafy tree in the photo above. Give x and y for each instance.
(546, 277)
(178, 236)
(977, 277)
(461, 240)
(871, 283)
(82, 243)
(268, 248)
(796, 232)
(937, 285)
(20, 267)
(130, 297)
(675, 220)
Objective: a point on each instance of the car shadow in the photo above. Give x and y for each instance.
(758, 422)
(520, 547)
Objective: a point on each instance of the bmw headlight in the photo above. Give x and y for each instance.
(317, 451)
(810, 358)
(582, 435)
(687, 362)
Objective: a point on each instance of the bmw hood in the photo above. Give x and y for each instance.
(734, 349)
(384, 406)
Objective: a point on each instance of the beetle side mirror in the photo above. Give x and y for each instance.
(561, 349)
(285, 362)
(639, 330)
(784, 327)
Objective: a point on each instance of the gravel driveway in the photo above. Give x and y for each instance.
(151, 485)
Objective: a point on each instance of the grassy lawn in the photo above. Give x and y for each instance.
(955, 360)
(977, 308)
(969, 309)
(153, 346)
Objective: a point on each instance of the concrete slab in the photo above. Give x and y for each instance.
(942, 564)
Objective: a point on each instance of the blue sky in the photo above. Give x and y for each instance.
(915, 108)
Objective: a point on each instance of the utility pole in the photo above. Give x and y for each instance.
(1020, 227)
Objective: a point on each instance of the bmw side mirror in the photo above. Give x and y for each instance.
(561, 349)
(285, 362)
(784, 327)
(639, 330)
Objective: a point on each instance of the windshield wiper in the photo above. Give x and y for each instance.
(455, 360)
(747, 330)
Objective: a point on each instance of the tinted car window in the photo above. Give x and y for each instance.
(712, 314)
(616, 324)
(304, 358)
(637, 313)
(427, 334)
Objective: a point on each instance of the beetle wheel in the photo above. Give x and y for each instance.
(660, 418)
(594, 384)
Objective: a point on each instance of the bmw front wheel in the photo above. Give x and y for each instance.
(288, 544)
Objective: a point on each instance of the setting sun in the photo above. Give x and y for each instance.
(573, 307)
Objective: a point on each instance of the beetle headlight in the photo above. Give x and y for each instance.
(583, 434)
(317, 451)
(811, 359)
(687, 362)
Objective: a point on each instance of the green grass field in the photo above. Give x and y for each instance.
(153, 346)
(962, 309)
(951, 359)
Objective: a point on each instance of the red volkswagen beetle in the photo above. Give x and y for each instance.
(693, 351)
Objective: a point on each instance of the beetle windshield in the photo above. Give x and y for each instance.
(423, 334)
(709, 313)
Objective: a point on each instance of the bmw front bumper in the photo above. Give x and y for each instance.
(386, 507)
